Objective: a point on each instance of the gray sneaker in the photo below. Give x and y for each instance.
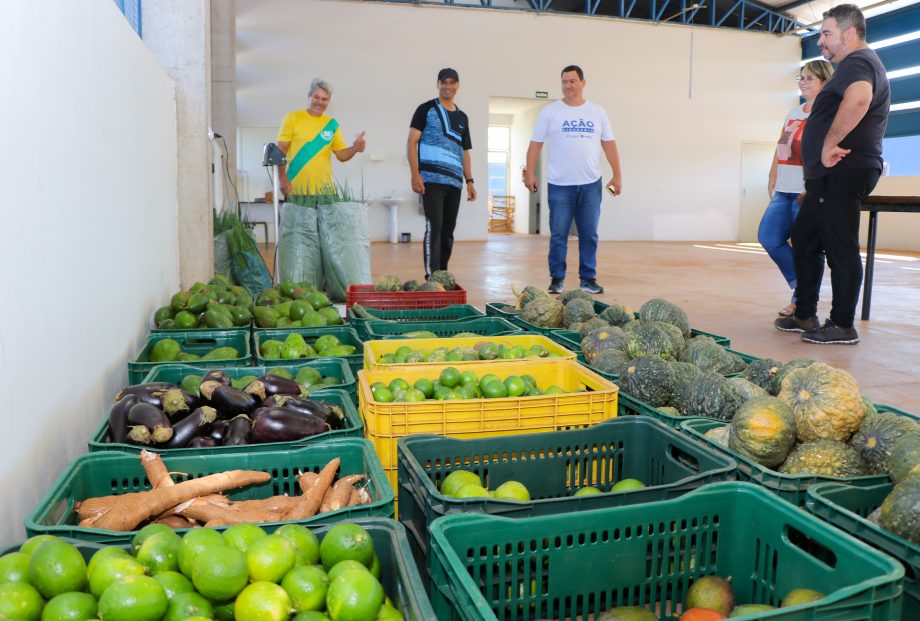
(589, 285)
(830, 333)
(794, 324)
(556, 285)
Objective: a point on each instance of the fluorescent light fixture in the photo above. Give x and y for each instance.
(907, 105)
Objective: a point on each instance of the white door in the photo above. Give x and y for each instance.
(756, 158)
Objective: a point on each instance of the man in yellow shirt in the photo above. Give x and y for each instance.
(308, 138)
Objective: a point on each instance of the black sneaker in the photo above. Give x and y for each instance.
(555, 286)
(794, 324)
(830, 333)
(589, 285)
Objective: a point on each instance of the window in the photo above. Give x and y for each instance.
(499, 158)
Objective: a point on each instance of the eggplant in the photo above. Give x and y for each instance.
(331, 414)
(216, 376)
(202, 442)
(268, 385)
(138, 434)
(285, 425)
(275, 401)
(118, 418)
(151, 393)
(193, 425)
(153, 419)
(218, 430)
(177, 403)
(228, 400)
(238, 431)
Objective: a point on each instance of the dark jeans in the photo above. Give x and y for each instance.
(581, 203)
(828, 224)
(442, 203)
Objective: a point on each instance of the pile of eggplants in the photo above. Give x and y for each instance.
(269, 409)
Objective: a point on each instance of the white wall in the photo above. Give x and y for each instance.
(88, 241)
(681, 99)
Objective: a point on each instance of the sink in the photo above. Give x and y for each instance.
(392, 203)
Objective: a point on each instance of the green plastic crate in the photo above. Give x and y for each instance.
(197, 342)
(847, 507)
(485, 326)
(408, 315)
(329, 367)
(790, 487)
(494, 309)
(347, 336)
(110, 472)
(552, 466)
(398, 575)
(571, 566)
(354, 428)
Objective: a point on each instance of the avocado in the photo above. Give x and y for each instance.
(627, 613)
(165, 350)
(421, 334)
(332, 316)
(197, 303)
(280, 372)
(163, 313)
(326, 340)
(241, 315)
(215, 319)
(220, 279)
(749, 609)
(166, 324)
(185, 320)
(179, 300)
(312, 319)
(284, 310)
(318, 300)
(187, 356)
(190, 384)
(308, 376)
(264, 316)
(338, 350)
(221, 353)
(198, 286)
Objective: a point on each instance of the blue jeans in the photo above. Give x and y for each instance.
(581, 203)
(775, 229)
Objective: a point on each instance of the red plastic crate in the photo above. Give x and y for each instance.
(402, 300)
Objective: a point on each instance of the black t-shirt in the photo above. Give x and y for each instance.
(865, 141)
(445, 136)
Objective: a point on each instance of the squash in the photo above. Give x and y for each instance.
(762, 372)
(708, 395)
(592, 324)
(824, 458)
(611, 361)
(577, 311)
(876, 436)
(684, 372)
(826, 402)
(528, 295)
(649, 379)
(784, 370)
(658, 309)
(617, 314)
(904, 459)
(669, 409)
(708, 356)
(763, 429)
(747, 390)
(445, 278)
(431, 286)
(544, 312)
(652, 339)
(719, 435)
(900, 511)
(601, 339)
(573, 294)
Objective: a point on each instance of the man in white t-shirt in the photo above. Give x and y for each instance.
(576, 131)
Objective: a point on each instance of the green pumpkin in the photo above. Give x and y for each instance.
(904, 459)
(785, 370)
(577, 311)
(763, 429)
(900, 511)
(684, 373)
(617, 314)
(876, 437)
(528, 295)
(658, 309)
(762, 372)
(708, 356)
(611, 361)
(444, 277)
(544, 312)
(649, 379)
(826, 402)
(719, 434)
(652, 339)
(590, 325)
(824, 458)
(575, 294)
(746, 389)
(708, 395)
(601, 339)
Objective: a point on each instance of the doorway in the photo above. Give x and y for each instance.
(511, 123)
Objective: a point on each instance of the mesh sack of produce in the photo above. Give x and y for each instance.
(346, 246)
(299, 255)
(249, 270)
(223, 265)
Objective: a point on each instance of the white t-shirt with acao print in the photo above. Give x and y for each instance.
(573, 137)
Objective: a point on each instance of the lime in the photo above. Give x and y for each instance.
(626, 485)
(57, 567)
(311, 615)
(102, 554)
(388, 613)
(136, 598)
(453, 395)
(354, 596)
(305, 543)
(494, 390)
(375, 566)
(414, 395)
(403, 350)
(554, 390)
(262, 601)
(588, 491)
(467, 392)
(241, 536)
(468, 377)
(160, 552)
(220, 573)
(32, 543)
(472, 491)
(20, 600)
(383, 395)
(442, 392)
(111, 570)
(399, 384)
(14, 567)
(193, 545)
(184, 605)
(224, 612)
(424, 384)
(269, 558)
(512, 490)
(342, 566)
(487, 378)
(307, 587)
(457, 479)
(70, 606)
(529, 380)
(346, 541)
(173, 582)
(515, 385)
(449, 377)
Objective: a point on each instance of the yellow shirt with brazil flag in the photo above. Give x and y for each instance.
(313, 140)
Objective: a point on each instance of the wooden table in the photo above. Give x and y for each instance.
(875, 204)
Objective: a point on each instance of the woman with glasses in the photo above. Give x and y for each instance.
(786, 181)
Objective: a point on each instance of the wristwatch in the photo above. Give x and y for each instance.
(469, 181)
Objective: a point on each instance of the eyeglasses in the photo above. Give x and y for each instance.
(804, 78)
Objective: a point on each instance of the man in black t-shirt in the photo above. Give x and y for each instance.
(439, 158)
(842, 153)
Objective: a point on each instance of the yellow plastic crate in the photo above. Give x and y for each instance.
(385, 423)
(373, 350)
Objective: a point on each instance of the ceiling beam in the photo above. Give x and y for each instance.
(791, 5)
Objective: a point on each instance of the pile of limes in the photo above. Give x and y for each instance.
(467, 484)
(243, 574)
(454, 384)
(483, 350)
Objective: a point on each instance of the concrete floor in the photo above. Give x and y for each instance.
(730, 289)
